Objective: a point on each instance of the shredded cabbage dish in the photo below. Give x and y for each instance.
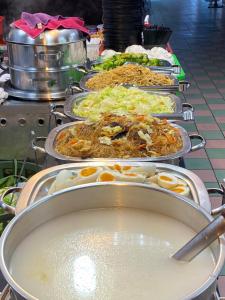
(120, 100)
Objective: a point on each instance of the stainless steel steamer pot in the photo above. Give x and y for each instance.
(106, 195)
(46, 63)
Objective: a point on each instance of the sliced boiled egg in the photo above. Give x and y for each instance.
(167, 180)
(181, 182)
(153, 185)
(133, 177)
(64, 179)
(147, 171)
(88, 174)
(152, 179)
(182, 190)
(106, 176)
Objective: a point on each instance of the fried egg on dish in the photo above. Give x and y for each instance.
(88, 175)
(167, 180)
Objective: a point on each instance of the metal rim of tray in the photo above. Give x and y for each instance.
(31, 190)
(165, 63)
(168, 88)
(29, 95)
(77, 98)
(50, 148)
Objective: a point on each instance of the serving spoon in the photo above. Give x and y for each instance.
(202, 240)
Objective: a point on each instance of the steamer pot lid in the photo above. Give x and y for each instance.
(47, 38)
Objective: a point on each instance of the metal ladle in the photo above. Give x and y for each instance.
(202, 240)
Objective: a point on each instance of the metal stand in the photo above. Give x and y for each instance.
(214, 4)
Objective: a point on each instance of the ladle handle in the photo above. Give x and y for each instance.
(202, 240)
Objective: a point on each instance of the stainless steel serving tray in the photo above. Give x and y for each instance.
(183, 111)
(50, 147)
(165, 67)
(175, 87)
(39, 184)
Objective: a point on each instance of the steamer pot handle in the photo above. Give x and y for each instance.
(199, 146)
(82, 69)
(3, 205)
(221, 192)
(53, 111)
(74, 88)
(38, 148)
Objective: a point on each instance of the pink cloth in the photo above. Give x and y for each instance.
(33, 20)
(53, 23)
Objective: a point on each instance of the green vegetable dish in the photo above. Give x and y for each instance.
(120, 100)
(120, 59)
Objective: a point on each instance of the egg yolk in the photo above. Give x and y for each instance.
(165, 178)
(178, 190)
(131, 175)
(117, 167)
(88, 171)
(126, 168)
(107, 177)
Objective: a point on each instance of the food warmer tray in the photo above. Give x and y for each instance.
(39, 184)
(182, 111)
(49, 147)
(177, 86)
(165, 67)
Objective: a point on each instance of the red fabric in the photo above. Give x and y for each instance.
(69, 23)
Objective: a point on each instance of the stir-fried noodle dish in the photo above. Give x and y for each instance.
(128, 74)
(116, 136)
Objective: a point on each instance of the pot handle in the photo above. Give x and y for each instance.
(221, 192)
(1, 67)
(183, 85)
(7, 208)
(4, 294)
(54, 107)
(201, 144)
(82, 69)
(74, 88)
(188, 112)
(38, 148)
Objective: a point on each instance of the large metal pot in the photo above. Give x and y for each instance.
(106, 195)
(46, 63)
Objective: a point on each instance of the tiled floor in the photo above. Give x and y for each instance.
(199, 41)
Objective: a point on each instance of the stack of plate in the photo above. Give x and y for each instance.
(123, 23)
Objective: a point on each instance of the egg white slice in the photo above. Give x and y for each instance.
(167, 180)
(88, 175)
(64, 179)
(152, 179)
(130, 177)
(147, 171)
(182, 182)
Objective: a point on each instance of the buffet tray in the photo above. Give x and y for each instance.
(39, 184)
(175, 87)
(50, 147)
(179, 107)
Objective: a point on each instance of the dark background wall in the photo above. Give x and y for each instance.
(89, 10)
